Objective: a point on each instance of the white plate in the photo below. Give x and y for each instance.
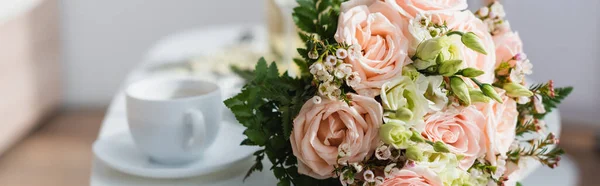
(119, 152)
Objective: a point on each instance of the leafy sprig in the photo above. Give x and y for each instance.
(542, 150)
(267, 106)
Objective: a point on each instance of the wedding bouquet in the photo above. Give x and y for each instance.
(399, 92)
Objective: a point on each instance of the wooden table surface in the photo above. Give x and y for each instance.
(59, 152)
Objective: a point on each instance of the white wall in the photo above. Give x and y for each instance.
(104, 39)
(561, 38)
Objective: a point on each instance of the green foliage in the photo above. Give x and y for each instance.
(318, 17)
(267, 106)
(552, 101)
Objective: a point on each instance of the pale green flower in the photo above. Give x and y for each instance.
(429, 49)
(396, 134)
(445, 165)
(403, 101)
(432, 86)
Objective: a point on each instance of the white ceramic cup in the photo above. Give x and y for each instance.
(173, 120)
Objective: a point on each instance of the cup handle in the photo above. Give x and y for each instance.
(195, 130)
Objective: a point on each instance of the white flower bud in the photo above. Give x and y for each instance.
(341, 53)
(483, 11)
(317, 99)
(313, 55)
(497, 10)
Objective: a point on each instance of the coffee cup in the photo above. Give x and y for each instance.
(173, 120)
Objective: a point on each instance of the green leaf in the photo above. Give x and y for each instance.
(306, 25)
(248, 142)
(260, 71)
(305, 13)
(309, 4)
(279, 172)
(304, 71)
(257, 136)
(284, 182)
(273, 71)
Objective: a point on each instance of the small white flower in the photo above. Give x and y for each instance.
(316, 67)
(379, 180)
(346, 179)
(317, 100)
(344, 150)
(523, 100)
(357, 167)
(483, 11)
(336, 92)
(516, 75)
(339, 74)
(527, 67)
(390, 170)
(369, 176)
(502, 27)
(353, 79)
(500, 167)
(331, 59)
(383, 152)
(353, 52)
(341, 53)
(498, 10)
(323, 90)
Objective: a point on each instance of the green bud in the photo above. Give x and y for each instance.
(516, 90)
(450, 67)
(471, 40)
(414, 153)
(489, 91)
(478, 96)
(416, 137)
(440, 147)
(423, 64)
(471, 72)
(404, 114)
(460, 89)
(395, 134)
(430, 49)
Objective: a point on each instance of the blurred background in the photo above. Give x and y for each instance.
(63, 61)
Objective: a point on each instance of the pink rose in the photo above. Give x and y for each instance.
(380, 48)
(500, 125)
(465, 21)
(323, 129)
(416, 176)
(412, 8)
(459, 129)
(508, 45)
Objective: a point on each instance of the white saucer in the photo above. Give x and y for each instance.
(119, 152)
